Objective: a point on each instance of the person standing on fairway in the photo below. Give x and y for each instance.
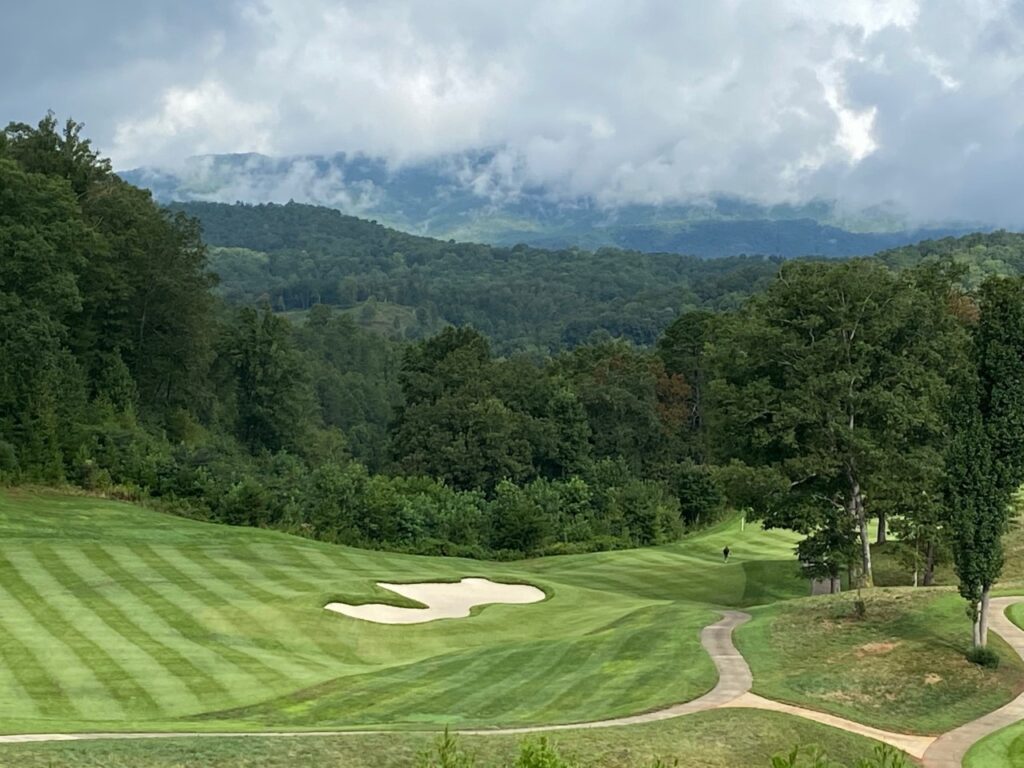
(725, 554)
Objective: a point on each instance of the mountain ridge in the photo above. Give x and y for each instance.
(465, 198)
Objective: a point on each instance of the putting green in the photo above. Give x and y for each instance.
(113, 617)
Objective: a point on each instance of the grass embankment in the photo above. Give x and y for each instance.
(115, 617)
(722, 739)
(1003, 749)
(901, 667)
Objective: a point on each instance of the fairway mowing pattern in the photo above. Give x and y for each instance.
(113, 617)
(524, 683)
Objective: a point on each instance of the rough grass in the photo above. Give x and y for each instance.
(901, 668)
(717, 739)
(891, 570)
(115, 617)
(1003, 749)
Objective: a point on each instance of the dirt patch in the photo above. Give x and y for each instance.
(847, 697)
(875, 649)
(932, 679)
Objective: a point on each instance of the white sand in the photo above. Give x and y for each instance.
(443, 601)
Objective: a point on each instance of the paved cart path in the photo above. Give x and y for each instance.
(949, 749)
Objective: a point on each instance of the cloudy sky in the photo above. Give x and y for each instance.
(919, 103)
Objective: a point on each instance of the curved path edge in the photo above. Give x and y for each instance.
(731, 691)
(949, 749)
(734, 679)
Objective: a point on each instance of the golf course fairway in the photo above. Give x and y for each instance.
(115, 618)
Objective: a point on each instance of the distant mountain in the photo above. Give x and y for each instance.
(460, 197)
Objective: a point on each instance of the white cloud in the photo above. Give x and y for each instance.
(202, 119)
(920, 103)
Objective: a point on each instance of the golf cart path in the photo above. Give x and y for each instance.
(949, 749)
(731, 691)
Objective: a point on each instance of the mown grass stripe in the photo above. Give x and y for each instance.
(239, 584)
(276, 624)
(174, 615)
(410, 689)
(590, 681)
(366, 697)
(531, 668)
(260, 577)
(42, 692)
(354, 562)
(120, 661)
(251, 661)
(272, 569)
(106, 672)
(177, 667)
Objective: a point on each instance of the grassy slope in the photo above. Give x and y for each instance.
(1003, 749)
(116, 617)
(900, 668)
(722, 739)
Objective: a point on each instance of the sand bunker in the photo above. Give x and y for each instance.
(443, 601)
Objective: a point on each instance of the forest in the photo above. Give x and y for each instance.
(525, 300)
(549, 401)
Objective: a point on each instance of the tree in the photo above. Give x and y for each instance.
(146, 296)
(618, 387)
(985, 458)
(43, 246)
(62, 153)
(473, 421)
(518, 523)
(824, 380)
(681, 349)
(271, 396)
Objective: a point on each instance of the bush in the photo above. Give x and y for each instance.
(540, 754)
(446, 753)
(983, 657)
(883, 756)
(8, 458)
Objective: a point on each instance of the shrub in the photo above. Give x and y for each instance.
(540, 754)
(446, 753)
(883, 756)
(8, 458)
(983, 657)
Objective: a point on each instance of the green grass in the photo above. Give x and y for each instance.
(1003, 749)
(902, 667)
(716, 739)
(116, 617)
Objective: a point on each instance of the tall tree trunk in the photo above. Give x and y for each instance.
(880, 539)
(857, 508)
(929, 564)
(976, 626)
(983, 617)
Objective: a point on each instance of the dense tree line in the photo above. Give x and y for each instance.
(522, 298)
(978, 256)
(123, 372)
(886, 389)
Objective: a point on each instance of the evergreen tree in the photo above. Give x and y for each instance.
(985, 459)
